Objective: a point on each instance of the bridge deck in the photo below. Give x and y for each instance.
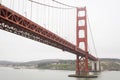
(15, 23)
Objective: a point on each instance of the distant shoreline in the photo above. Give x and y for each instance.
(56, 64)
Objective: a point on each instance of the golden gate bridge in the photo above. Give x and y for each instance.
(23, 24)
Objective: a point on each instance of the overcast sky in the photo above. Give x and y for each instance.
(104, 17)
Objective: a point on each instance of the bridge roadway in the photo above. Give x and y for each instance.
(15, 23)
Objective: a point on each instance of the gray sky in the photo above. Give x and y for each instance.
(104, 19)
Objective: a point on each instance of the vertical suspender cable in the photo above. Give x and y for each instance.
(52, 16)
(37, 11)
(61, 17)
(18, 6)
(57, 21)
(48, 17)
(31, 11)
(61, 22)
(43, 9)
(44, 15)
(23, 8)
(25, 5)
(65, 23)
(13, 5)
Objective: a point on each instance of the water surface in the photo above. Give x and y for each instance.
(34, 74)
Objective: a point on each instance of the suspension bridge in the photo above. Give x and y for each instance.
(21, 19)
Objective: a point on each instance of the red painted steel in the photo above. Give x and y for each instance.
(82, 64)
(15, 23)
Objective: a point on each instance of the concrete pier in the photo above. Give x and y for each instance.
(96, 66)
(83, 75)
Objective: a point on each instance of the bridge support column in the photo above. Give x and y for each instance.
(96, 66)
(77, 65)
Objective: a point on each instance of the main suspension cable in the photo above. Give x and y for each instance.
(48, 5)
(64, 4)
(92, 35)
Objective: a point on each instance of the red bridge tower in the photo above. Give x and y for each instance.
(81, 39)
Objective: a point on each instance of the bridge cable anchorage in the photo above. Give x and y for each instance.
(92, 35)
(49, 5)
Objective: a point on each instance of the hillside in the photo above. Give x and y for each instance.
(57, 64)
(110, 64)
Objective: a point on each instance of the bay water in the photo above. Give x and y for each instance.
(35, 74)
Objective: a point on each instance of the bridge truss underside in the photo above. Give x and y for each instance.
(15, 23)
